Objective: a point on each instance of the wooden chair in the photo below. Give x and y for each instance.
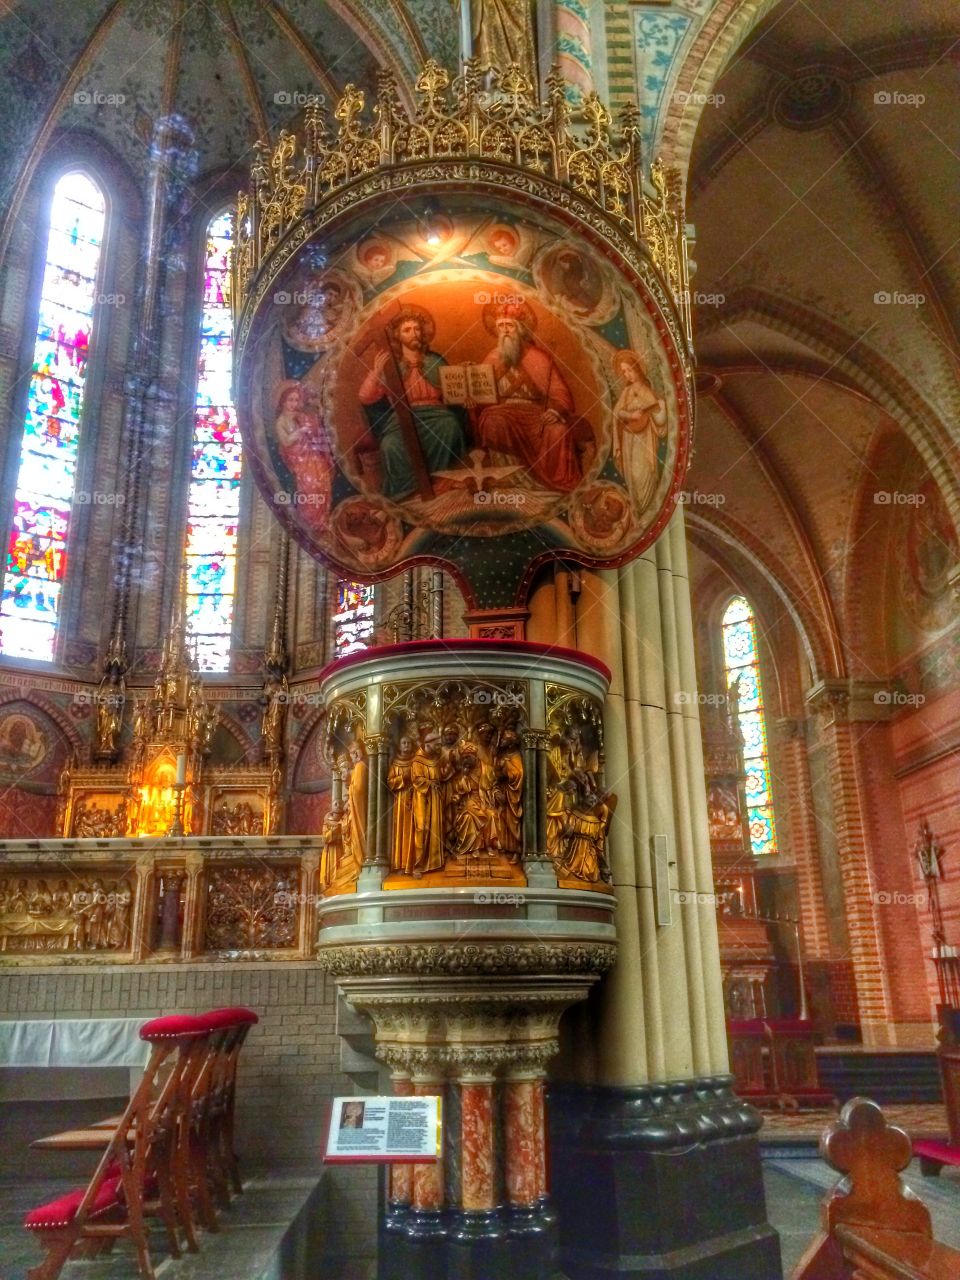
(872, 1226)
(134, 1175)
(217, 1127)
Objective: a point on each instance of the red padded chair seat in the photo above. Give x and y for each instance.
(61, 1212)
(173, 1027)
(931, 1149)
(216, 1019)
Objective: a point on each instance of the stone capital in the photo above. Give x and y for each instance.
(842, 700)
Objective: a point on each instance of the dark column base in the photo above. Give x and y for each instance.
(503, 1244)
(662, 1181)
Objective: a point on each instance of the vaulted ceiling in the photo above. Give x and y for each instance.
(230, 70)
(823, 187)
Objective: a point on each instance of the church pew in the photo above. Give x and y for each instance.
(872, 1227)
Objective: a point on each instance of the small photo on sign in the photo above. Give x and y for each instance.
(383, 1130)
(351, 1115)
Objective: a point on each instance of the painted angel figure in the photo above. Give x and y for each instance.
(641, 420)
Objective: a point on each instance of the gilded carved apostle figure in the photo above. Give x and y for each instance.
(509, 812)
(428, 775)
(400, 782)
(471, 834)
(331, 838)
(582, 844)
(503, 32)
(356, 776)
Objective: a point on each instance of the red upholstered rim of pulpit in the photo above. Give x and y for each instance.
(525, 648)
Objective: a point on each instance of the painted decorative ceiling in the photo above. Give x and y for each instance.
(225, 70)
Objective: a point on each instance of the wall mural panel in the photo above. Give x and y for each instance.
(448, 380)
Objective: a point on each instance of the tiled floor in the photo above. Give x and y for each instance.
(249, 1245)
(255, 1241)
(926, 1120)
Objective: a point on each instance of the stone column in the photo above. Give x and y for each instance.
(842, 708)
(193, 905)
(654, 1149)
(427, 1196)
(141, 926)
(803, 839)
(401, 1175)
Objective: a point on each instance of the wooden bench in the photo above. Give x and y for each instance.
(873, 1228)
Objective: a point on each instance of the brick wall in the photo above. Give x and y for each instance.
(288, 1069)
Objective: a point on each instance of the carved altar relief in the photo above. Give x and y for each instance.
(456, 781)
(46, 913)
(251, 908)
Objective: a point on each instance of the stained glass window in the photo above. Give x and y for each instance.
(743, 669)
(37, 546)
(353, 620)
(213, 503)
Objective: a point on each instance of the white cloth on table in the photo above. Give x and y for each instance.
(73, 1042)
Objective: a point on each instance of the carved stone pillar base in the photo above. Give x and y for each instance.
(671, 1174)
(479, 1246)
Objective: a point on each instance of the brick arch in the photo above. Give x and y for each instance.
(853, 363)
(722, 33)
(818, 639)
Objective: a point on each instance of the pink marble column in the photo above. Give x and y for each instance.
(524, 1139)
(401, 1175)
(477, 1154)
(428, 1178)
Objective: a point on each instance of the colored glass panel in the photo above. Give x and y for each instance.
(216, 461)
(742, 667)
(36, 549)
(353, 621)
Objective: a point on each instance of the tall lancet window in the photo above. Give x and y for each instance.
(44, 497)
(353, 620)
(743, 669)
(213, 503)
